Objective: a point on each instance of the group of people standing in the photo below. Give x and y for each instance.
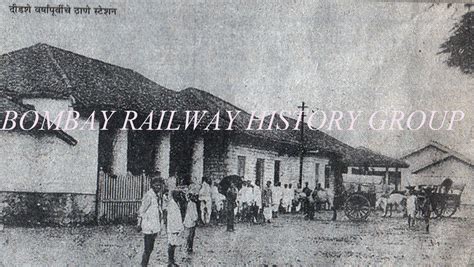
(179, 212)
(257, 205)
(175, 211)
(159, 211)
(210, 201)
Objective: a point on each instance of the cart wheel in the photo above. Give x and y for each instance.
(357, 207)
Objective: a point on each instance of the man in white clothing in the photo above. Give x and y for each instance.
(246, 196)
(257, 202)
(286, 201)
(217, 202)
(205, 201)
(277, 194)
(411, 206)
(174, 226)
(292, 196)
(250, 198)
(150, 214)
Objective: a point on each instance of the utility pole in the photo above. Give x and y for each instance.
(302, 107)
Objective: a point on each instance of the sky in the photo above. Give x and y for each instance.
(272, 55)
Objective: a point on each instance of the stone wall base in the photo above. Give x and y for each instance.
(47, 209)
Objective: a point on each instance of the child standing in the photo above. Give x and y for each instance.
(174, 226)
(190, 221)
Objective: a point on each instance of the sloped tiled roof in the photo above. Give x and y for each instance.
(46, 71)
(196, 99)
(313, 139)
(362, 156)
(316, 139)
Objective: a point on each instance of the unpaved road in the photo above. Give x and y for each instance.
(288, 240)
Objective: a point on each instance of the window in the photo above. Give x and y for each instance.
(241, 166)
(260, 167)
(276, 174)
(357, 171)
(327, 174)
(316, 173)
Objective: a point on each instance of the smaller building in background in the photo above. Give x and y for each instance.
(434, 162)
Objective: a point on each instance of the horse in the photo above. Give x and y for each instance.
(322, 196)
(387, 202)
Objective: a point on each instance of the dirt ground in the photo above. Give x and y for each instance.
(289, 240)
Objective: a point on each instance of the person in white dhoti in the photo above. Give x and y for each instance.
(217, 202)
(238, 207)
(214, 193)
(411, 207)
(205, 201)
(257, 202)
(292, 196)
(277, 195)
(286, 201)
(246, 199)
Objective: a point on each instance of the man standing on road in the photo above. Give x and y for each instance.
(306, 189)
(206, 202)
(247, 201)
(276, 198)
(190, 220)
(317, 203)
(267, 202)
(217, 203)
(257, 205)
(174, 226)
(411, 206)
(149, 216)
(307, 205)
(286, 202)
(240, 202)
(426, 208)
(231, 197)
(292, 196)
